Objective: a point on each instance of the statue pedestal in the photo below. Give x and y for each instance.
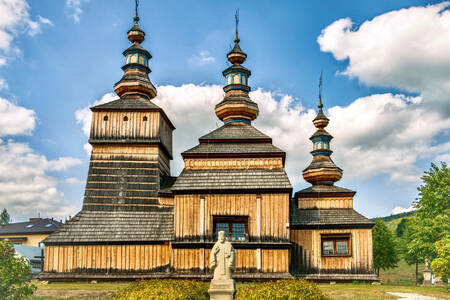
(427, 278)
(222, 289)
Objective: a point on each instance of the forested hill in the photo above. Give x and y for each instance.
(393, 217)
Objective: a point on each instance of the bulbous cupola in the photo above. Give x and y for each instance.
(322, 169)
(135, 81)
(236, 107)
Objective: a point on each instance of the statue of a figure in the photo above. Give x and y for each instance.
(223, 259)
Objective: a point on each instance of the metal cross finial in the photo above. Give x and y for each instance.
(236, 16)
(136, 16)
(320, 90)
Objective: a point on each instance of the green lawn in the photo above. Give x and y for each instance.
(340, 291)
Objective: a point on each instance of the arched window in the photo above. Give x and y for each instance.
(105, 118)
(125, 118)
(236, 79)
(133, 59)
(229, 79)
(144, 118)
(244, 80)
(128, 59)
(141, 60)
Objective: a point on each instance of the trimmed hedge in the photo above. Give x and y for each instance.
(288, 289)
(169, 289)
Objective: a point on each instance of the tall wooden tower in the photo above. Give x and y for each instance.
(122, 217)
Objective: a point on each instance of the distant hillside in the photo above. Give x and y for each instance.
(392, 221)
(393, 217)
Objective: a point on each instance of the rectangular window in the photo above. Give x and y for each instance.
(336, 244)
(235, 227)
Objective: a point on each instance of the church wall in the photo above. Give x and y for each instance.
(107, 258)
(233, 163)
(196, 261)
(268, 215)
(325, 202)
(122, 174)
(115, 127)
(307, 254)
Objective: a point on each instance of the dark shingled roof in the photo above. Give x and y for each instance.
(323, 217)
(223, 180)
(116, 226)
(137, 47)
(322, 162)
(166, 184)
(321, 132)
(38, 226)
(235, 132)
(128, 103)
(325, 188)
(236, 148)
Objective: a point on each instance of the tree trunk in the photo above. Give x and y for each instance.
(417, 270)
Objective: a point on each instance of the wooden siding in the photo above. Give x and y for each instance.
(163, 200)
(106, 258)
(197, 260)
(234, 163)
(325, 202)
(307, 256)
(267, 217)
(116, 128)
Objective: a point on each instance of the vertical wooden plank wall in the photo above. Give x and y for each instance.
(307, 252)
(274, 215)
(106, 258)
(116, 127)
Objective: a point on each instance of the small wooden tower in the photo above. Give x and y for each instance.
(331, 241)
(123, 228)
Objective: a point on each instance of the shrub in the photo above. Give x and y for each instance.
(167, 289)
(289, 289)
(14, 273)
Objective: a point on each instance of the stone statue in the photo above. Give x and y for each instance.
(222, 262)
(223, 259)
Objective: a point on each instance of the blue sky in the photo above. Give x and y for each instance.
(386, 87)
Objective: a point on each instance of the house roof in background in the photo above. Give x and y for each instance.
(35, 226)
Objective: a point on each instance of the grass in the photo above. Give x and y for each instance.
(340, 291)
(404, 274)
(343, 291)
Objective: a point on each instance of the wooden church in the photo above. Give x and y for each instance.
(139, 222)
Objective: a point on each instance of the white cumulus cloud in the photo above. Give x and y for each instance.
(15, 19)
(399, 210)
(378, 134)
(15, 119)
(26, 188)
(408, 49)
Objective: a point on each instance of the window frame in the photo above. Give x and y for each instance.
(230, 220)
(327, 237)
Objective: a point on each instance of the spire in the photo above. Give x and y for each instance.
(237, 107)
(322, 169)
(135, 81)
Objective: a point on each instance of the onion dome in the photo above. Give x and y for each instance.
(135, 81)
(322, 169)
(237, 107)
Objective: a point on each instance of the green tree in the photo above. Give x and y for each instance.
(401, 227)
(434, 193)
(14, 273)
(4, 217)
(441, 264)
(410, 254)
(384, 247)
